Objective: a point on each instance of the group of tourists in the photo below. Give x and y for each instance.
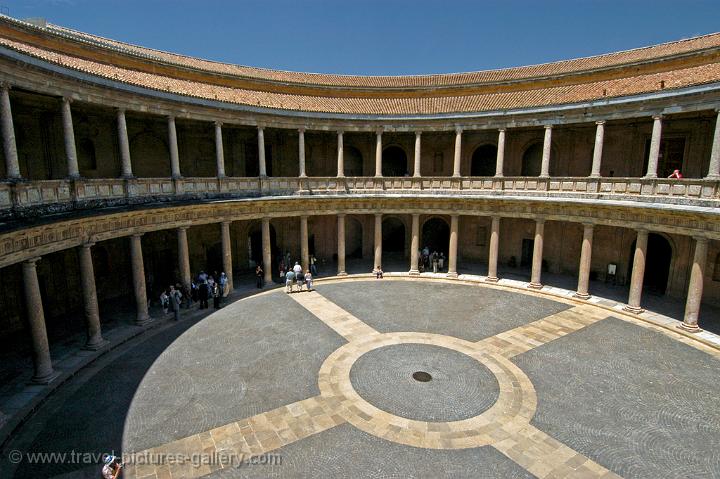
(203, 288)
(295, 276)
(431, 261)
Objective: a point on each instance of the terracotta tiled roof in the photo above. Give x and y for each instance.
(344, 94)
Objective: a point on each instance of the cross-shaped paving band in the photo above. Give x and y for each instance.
(505, 425)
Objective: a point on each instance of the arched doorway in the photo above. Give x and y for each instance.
(532, 160)
(353, 238)
(353, 161)
(657, 264)
(484, 159)
(436, 235)
(393, 236)
(255, 252)
(394, 161)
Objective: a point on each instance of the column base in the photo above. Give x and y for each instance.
(492, 279)
(414, 272)
(712, 177)
(690, 328)
(535, 285)
(452, 274)
(342, 273)
(633, 309)
(142, 321)
(582, 296)
(96, 345)
(46, 378)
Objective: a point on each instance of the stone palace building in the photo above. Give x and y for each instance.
(127, 168)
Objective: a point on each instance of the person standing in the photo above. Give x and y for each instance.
(217, 294)
(441, 261)
(435, 262)
(165, 301)
(300, 278)
(313, 267)
(203, 293)
(223, 284)
(309, 281)
(289, 280)
(259, 276)
(175, 299)
(297, 269)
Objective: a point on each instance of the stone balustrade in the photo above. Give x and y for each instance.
(32, 198)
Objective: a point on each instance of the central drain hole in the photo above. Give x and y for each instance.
(422, 376)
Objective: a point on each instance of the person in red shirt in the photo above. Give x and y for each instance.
(676, 174)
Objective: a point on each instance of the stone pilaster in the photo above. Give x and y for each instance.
(457, 155)
(261, 151)
(138, 273)
(638, 273)
(547, 149)
(378, 242)
(598, 149)
(12, 165)
(301, 152)
(183, 257)
(378, 153)
(535, 276)
(585, 261)
(500, 162)
(267, 251)
(453, 247)
(227, 253)
(714, 168)
(304, 250)
(173, 146)
(42, 362)
(654, 147)
(695, 287)
(219, 150)
(415, 244)
(341, 245)
(69, 139)
(418, 150)
(493, 254)
(125, 160)
(92, 313)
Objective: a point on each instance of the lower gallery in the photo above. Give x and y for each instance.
(515, 273)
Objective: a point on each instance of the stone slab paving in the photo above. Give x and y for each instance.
(457, 310)
(631, 398)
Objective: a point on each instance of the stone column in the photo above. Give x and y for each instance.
(340, 159)
(227, 253)
(261, 151)
(183, 256)
(378, 241)
(714, 169)
(267, 251)
(415, 244)
(695, 288)
(492, 276)
(537, 254)
(638, 273)
(341, 245)
(125, 161)
(69, 137)
(453, 247)
(138, 272)
(378, 153)
(654, 147)
(92, 314)
(219, 150)
(547, 148)
(500, 162)
(12, 165)
(301, 151)
(44, 372)
(597, 151)
(173, 146)
(458, 152)
(304, 250)
(418, 146)
(585, 261)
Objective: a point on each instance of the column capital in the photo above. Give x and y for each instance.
(600, 122)
(120, 110)
(170, 118)
(137, 235)
(657, 117)
(340, 132)
(418, 132)
(31, 262)
(700, 239)
(302, 130)
(5, 86)
(587, 224)
(88, 244)
(416, 215)
(261, 126)
(218, 123)
(183, 228)
(502, 128)
(67, 99)
(304, 217)
(458, 130)
(379, 131)
(548, 126)
(341, 215)
(540, 220)
(378, 215)
(227, 222)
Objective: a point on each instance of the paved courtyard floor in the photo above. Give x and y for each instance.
(400, 377)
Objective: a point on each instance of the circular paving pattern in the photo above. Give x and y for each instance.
(424, 382)
(511, 398)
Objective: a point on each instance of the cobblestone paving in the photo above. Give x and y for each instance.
(460, 388)
(462, 311)
(630, 398)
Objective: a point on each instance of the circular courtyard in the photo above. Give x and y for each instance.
(401, 377)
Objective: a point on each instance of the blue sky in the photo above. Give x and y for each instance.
(376, 37)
